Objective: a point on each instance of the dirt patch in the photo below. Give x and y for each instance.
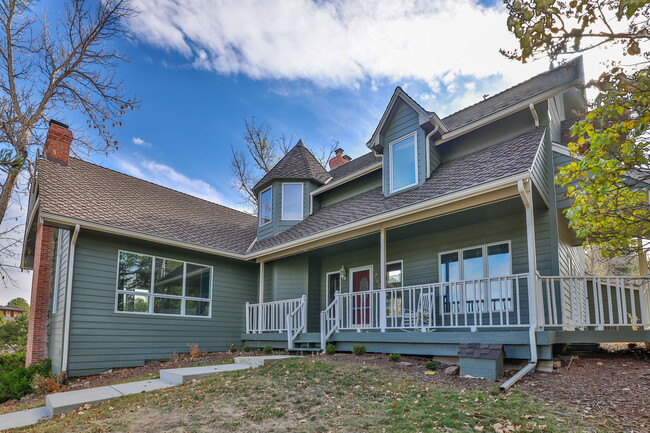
(616, 385)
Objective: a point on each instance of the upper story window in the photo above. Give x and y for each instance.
(292, 201)
(156, 285)
(266, 206)
(403, 162)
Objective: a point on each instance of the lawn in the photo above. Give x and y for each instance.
(309, 395)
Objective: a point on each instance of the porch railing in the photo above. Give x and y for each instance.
(485, 302)
(329, 321)
(272, 316)
(296, 321)
(581, 302)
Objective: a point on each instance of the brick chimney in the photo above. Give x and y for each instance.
(339, 159)
(57, 143)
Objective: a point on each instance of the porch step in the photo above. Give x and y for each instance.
(304, 349)
(177, 376)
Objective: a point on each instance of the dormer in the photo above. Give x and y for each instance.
(404, 137)
(283, 193)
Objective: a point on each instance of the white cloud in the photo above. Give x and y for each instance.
(169, 177)
(140, 142)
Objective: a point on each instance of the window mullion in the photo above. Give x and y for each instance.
(183, 300)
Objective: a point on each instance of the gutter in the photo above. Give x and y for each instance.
(68, 299)
(525, 190)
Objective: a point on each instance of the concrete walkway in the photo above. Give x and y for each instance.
(61, 402)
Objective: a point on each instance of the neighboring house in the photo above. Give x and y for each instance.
(10, 313)
(449, 231)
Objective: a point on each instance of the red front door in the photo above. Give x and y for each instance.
(361, 307)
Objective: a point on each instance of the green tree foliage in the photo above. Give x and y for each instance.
(13, 334)
(20, 303)
(608, 182)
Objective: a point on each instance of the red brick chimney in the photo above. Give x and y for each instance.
(339, 159)
(57, 143)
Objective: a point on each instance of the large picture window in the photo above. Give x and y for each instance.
(156, 285)
(292, 201)
(266, 206)
(403, 162)
(472, 265)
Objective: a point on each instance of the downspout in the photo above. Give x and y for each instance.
(68, 299)
(527, 197)
(428, 148)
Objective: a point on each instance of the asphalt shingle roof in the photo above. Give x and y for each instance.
(353, 166)
(89, 192)
(535, 86)
(495, 162)
(298, 163)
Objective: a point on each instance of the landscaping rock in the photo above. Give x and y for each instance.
(453, 370)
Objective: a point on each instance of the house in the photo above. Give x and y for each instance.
(447, 233)
(10, 313)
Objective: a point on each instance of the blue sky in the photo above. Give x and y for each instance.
(317, 70)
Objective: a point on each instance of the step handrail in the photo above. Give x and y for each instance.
(296, 321)
(328, 320)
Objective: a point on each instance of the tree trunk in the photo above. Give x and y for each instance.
(9, 186)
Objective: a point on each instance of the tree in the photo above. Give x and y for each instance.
(609, 179)
(20, 303)
(261, 151)
(13, 334)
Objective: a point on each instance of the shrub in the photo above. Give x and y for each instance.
(267, 350)
(195, 351)
(431, 365)
(16, 379)
(247, 349)
(359, 349)
(330, 349)
(394, 357)
(45, 385)
(233, 349)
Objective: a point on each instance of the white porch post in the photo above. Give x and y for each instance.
(382, 279)
(260, 299)
(644, 296)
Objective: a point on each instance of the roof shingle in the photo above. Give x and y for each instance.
(357, 164)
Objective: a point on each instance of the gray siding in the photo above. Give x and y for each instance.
(101, 339)
(561, 160)
(351, 188)
(56, 322)
(277, 224)
(540, 169)
(403, 121)
(290, 278)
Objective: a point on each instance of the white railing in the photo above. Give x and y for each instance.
(271, 316)
(581, 302)
(328, 320)
(296, 321)
(485, 302)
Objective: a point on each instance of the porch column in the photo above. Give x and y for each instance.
(260, 293)
(525, 192)
(644, 295)
(382, 279)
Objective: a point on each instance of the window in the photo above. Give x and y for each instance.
(403, 162)
(266, 206)
(333, 285)
(394, 278)
(156, 285)
(476, 263)
(292, 201)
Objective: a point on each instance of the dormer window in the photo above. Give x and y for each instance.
(292, 202)
(266, 206)
(403, 162)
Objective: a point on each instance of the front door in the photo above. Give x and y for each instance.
(361, 282)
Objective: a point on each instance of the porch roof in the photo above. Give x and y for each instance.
(496, 162)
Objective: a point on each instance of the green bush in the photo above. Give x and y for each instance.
(16, 379)
(247, 349)
(330, 349)
(359, 349)
(431, 365)
(267, 350)
(394, 357)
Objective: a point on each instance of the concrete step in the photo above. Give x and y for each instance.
(141, 386)
(258, 361)
(23, 418)
(62, 402)
(177, 376)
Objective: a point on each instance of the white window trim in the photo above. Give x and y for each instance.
(484, 247)
(151, 295)
(351, 272)
(57, 275)
(401, 262)
(413, 134)
(302, 201)
(259, 217)
(327, 285)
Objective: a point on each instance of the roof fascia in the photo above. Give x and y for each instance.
(67, 221)
(348, 178)
(384, 217)
(525, 104)
(423, 116)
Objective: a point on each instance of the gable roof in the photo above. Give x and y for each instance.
(498, 161)
(570, 73)
(298, 163)
(95, 194)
